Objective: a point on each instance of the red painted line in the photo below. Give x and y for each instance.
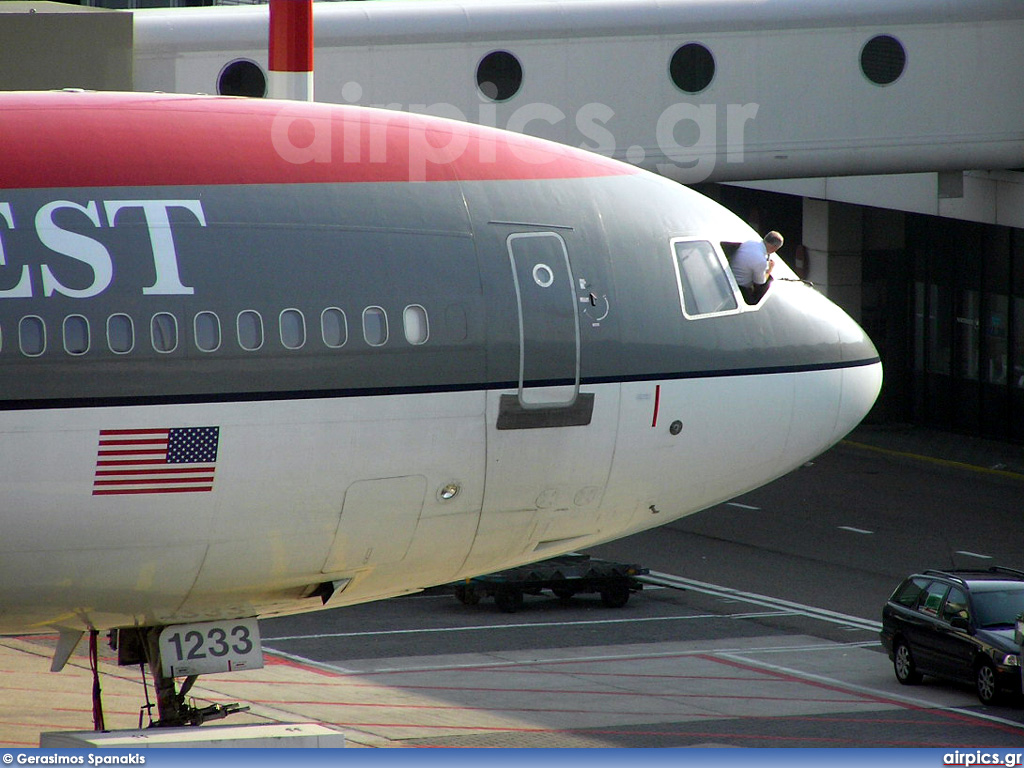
(869, 697)
(611, 694)
(657, 405)
(674, 734)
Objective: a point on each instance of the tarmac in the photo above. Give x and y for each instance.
(36, 700)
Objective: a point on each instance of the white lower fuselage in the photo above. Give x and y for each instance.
(310, 491)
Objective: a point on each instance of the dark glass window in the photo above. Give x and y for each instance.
(883, 59)
(250, 330)
(931, 599)
(375, 326)
(164, 331)
(956, 605)
(120, 334)
(692, 68)
(293, 328)
(76, 335)
(32, 336)
(703, 284)
(207, 327)
(499, 75)
(242, 78)
(333, 327)
(909, 592)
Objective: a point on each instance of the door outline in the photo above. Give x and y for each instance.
(544, 278)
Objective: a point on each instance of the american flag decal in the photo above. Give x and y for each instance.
(180, 460)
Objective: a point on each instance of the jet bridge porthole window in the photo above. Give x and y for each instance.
(704, 286)
(120, 334)
(32, 336)
(207, 329)
(163, 330)
(76, 335)
(417, 328)
(333, 327)
(883, 59)
(692, 68)
(499, 75)
(250, 330)
(292, 325)
(375, 326)
(242, 77)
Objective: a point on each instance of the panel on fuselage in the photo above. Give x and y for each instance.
(549, 334)
(547, 465)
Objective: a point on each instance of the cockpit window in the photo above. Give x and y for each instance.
(704, 287)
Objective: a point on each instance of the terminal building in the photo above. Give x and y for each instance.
(883, 138)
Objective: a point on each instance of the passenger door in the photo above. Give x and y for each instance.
(550, 439)
(549, 329)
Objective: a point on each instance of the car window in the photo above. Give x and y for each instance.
(909, 591)
(930, 599)
(956, 605)
(998, 607)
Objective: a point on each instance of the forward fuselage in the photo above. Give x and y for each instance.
(258, 356)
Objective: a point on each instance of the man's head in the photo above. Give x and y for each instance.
(772, 241)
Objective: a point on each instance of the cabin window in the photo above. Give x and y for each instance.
(293, 328)
(207, 330)
(120, 334)
(375, 326)
(499, 76)
(416, 326)
(242, 77)
(333, 327)
(76, 335)
(883, 59)
(692, 68)
(164, 332)
(250, 330)
(32, 336)
(704, 287)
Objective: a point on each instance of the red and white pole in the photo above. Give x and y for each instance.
(291, 49)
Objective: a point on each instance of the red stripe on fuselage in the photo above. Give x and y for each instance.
(72, 139)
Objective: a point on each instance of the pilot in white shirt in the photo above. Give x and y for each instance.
(752, 266)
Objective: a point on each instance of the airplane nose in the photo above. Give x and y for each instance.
(861, 382)
(830, 402)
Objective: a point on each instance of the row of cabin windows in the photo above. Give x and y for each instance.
(705, 288)
(208, 332)
(500, 74)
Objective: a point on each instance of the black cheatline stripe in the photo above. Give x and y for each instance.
(310, 394)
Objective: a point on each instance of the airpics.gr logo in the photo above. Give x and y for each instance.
(689, 139)
(978, 757)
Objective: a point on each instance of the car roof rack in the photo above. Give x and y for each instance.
(1011, 571)
(955, 573)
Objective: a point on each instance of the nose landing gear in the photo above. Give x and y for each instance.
(141, 645)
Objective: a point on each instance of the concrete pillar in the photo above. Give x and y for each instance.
(834, 238)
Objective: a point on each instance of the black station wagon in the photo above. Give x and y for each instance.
(957, 625)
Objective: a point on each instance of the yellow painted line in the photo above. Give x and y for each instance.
(939, 462)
